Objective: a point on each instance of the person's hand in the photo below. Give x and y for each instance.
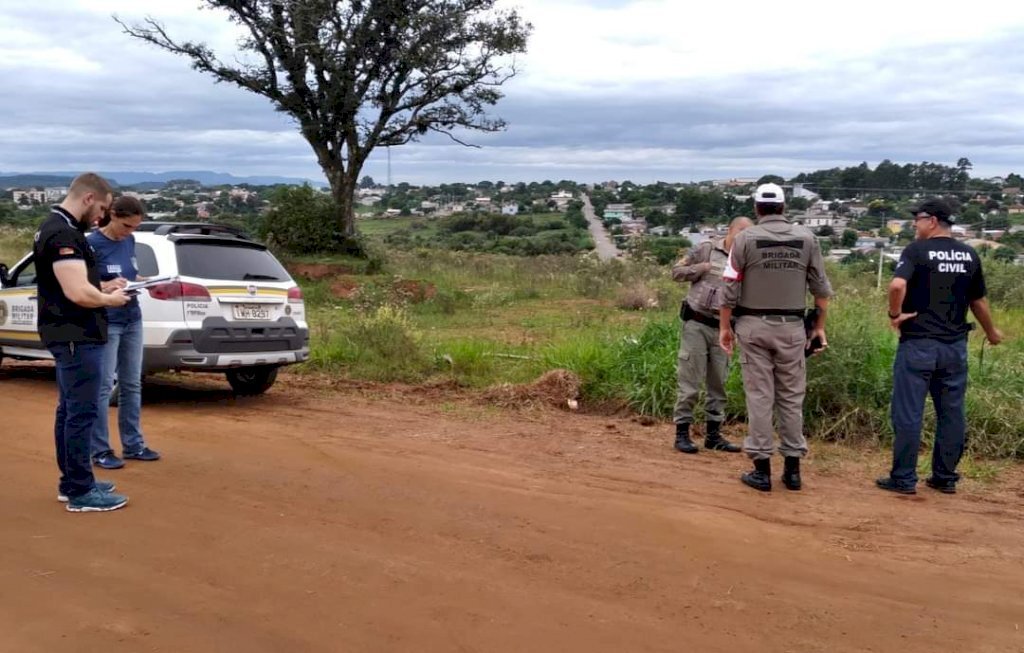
(113, 284)
(900, 319)
(820, 334)
(995, 336)
(726, 338)
(705, 267)
(117, 298)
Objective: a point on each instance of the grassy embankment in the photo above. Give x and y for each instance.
(497, 319)
(482, 319)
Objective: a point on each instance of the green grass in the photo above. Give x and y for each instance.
(379, 227)
(15, 242)
(496, 319)
(493, 319)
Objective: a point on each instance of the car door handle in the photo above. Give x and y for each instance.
(32, 298)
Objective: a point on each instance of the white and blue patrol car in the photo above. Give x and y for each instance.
(229, 306)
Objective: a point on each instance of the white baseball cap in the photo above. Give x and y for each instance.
(769, 194)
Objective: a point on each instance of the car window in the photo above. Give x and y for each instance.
(228, 262)
(145, 260)
(25, 275)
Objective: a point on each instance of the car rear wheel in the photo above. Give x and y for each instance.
(252, 380)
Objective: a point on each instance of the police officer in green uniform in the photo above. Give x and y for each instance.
(771, 268)
(701, 360)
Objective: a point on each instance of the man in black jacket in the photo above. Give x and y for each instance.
(73, 326)
(936, 280)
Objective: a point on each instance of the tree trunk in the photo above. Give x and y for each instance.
(343, 187)
(343, 191)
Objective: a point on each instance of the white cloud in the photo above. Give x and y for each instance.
(644, 89)
(579, 46)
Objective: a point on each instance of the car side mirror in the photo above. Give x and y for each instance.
(3, 274)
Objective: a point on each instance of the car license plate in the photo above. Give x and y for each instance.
(251, 312)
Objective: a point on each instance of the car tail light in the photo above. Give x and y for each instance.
(295, 295)
(179, 291)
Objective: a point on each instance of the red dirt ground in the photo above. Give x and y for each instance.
(327, 519)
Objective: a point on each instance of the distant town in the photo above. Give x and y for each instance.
(849, 222)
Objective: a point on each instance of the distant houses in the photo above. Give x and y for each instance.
(26, 198)
(622, 212)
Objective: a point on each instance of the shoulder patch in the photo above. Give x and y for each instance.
(66, 251)
(731, 273)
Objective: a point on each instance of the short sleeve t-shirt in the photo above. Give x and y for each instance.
(61, 320)
(943, 277)
(116, 258)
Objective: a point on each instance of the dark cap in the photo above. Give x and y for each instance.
(935, 207)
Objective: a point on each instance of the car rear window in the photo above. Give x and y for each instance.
(228, 262)
(145, 260)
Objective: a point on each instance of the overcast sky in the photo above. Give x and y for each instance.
(644, 90)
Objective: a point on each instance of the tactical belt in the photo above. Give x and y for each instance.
(740, 311)
(689, 314)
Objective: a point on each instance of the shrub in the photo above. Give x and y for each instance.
(381, 346)
(302, 220)
(636, 297)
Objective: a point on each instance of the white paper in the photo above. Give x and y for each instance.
(139, 285)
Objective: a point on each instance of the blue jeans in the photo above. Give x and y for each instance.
(122, 359)
(78, 385)
(924, 367)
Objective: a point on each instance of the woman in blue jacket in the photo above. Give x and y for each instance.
(114, 246)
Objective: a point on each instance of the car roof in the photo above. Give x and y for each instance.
(192, 228)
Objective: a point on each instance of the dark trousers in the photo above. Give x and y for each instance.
(79, 375)
(924, 367)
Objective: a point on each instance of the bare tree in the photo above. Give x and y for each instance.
(359, 74)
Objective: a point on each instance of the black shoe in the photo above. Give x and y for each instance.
(721, 444)
(107, 460)
(760, 478)
(887, 483)
(791, 474)
(683, 441)
(145, 453)
(946, 487)
(713, 439)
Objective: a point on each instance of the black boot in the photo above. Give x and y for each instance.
(761, 477)
(791, 474)
(713, 439)
(683, 441)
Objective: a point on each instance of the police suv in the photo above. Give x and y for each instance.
(228, 306)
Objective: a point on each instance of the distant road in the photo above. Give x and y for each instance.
(603, 245)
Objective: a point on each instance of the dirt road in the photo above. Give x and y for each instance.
(316, 520)
(603, 244)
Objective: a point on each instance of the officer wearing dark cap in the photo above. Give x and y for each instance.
(936, 281)
(771, 268)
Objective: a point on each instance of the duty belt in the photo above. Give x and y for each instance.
(689, 314)
(740, 311)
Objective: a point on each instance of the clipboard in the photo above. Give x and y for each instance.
(134, 287)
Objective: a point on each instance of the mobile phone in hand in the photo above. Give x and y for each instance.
(814, 348)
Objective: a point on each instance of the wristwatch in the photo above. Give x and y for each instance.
(893, 317)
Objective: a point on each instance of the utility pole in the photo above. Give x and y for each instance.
(880, 244)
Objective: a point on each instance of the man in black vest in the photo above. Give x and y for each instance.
(73, 326)
(936, 280)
